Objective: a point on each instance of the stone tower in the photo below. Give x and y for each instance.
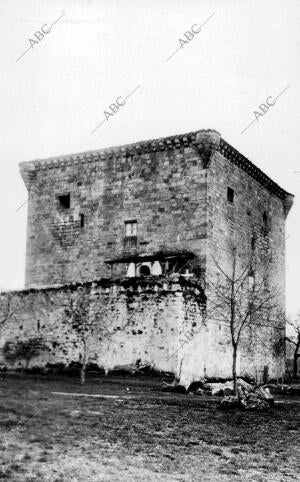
(156, 206)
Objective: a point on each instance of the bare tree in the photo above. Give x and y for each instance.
(77, 311)
(241, 296)
(294, 339)
(86, 323)
(7, 308)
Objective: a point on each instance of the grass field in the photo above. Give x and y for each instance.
(132, 431)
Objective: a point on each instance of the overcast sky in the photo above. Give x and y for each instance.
(54, 96)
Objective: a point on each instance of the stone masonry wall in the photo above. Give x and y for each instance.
(165, 192)
(243, 221)
(156, 322)
(176, 190)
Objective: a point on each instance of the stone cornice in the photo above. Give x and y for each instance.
(108, 284)
(207, 142)
(241, 161)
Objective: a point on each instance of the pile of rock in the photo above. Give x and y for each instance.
(220, 389)
(250, 397)
(284, 389)
(136, 367)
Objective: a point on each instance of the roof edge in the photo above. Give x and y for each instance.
(207, 141)
(241, 161)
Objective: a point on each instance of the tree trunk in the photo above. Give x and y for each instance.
(83, 366)
(296, 356)
(25, 366)
(234, 375)
(295, 364)
(82, 375)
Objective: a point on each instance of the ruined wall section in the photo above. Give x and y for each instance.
(161, 323)
(129, 322)
(163, 188)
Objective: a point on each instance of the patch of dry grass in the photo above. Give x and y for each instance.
(144, 435)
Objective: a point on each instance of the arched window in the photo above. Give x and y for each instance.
(145, 270)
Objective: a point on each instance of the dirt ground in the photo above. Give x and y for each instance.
(130, 430)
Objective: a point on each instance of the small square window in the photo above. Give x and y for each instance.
(130, 228)
(230, 195)
(64, 201)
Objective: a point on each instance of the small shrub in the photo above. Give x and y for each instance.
(23, 350)
(55, 368)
